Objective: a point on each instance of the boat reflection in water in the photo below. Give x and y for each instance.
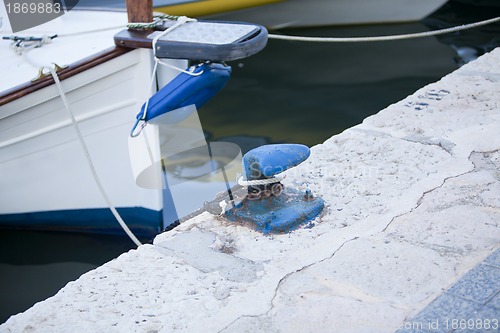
(172, 154)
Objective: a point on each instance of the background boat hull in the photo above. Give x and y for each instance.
(299, 13)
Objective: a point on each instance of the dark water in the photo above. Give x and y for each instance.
(35, 265)
(290, 92)
(306, 92)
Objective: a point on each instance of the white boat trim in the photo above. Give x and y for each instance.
(66, 123)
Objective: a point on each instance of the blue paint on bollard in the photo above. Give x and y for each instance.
(267, 207)
(278, 214)
(269, 160)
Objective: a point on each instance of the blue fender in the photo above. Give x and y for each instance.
(186, 89)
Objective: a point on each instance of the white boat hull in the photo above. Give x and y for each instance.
(300, 13)
(46, 179)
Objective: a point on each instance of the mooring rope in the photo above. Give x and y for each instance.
(85, 149)
(383, 38)
(158, 19)
(22, 50)
(256, 182)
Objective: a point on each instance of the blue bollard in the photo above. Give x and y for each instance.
(268, 206)
(269, 160)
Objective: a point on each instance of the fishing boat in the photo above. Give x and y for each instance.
(70, 94)
(206, 7)
(275, 14)
(301, 13)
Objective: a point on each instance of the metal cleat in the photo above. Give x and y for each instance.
(268, 206)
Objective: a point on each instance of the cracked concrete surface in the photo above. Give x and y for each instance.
(413, 203)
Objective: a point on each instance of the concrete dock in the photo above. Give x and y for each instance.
(408, 240)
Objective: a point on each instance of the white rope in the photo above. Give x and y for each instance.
(181, 20)
(90, 31)
(383, 38)
(97, 180)
(255, 182)
(77, 33)
(22, 44)
(89, 159)
(158, 20)
(155, 68)
(178, 68)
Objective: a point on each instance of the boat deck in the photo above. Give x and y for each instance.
(412, 208)
(80, 34)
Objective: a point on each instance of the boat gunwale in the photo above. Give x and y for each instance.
(73, 69)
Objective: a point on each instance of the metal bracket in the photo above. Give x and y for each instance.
(42, 74)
